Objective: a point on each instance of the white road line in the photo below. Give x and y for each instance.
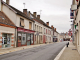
(58, 56)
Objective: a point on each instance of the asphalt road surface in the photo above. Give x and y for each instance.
(45, 52)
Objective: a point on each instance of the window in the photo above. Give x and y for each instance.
(6, 39)
(22, 22)
(30, 25)
(41, 29)
(35, 27)
(44, 30)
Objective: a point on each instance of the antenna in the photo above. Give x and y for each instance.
(40, 12)
(24, 5)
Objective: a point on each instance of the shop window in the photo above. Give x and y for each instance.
(6, 40)
(30, 25)
(22, 22)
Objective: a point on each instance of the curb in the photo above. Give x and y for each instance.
(18, 49)
(58, 56)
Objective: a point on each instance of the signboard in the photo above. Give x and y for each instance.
(25, 30)
(70, 32)
(71, 14)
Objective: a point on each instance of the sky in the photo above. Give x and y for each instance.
(56, 12)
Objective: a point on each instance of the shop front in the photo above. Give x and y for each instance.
(7, 39)
(25, 37)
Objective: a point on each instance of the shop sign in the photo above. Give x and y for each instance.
(71, 14)
(25, 30)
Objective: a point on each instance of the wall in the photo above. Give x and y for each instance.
(9, 13)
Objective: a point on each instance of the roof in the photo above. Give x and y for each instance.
(5, 20)
(40, 21)
(22, 14)
(18, 11)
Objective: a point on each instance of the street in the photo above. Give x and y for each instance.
(45, 52)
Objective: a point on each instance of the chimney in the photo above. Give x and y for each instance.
(55, 29)
(8, 1)
(47, 23)
(38, 16)
(34, 13)
(25, 11)
(52, 26)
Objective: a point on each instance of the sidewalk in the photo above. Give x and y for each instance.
(70, 53)
(4, 51)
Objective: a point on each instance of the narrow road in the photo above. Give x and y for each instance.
(45, 52)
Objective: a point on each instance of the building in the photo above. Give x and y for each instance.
(28, 28)
(64, 37)
(76, 23)
(47, 33)
(38, 27)
(25, 30)
(7, 32)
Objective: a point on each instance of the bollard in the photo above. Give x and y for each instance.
(67, 44)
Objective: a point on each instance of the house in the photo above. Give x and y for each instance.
(38, 26)
(76, 24)
(25, 25)
(7, 32)
(47, 33)
(43, 33)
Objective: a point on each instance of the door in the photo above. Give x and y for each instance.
(28, 39)
(23, 40)
(32, 42)
(19, 39)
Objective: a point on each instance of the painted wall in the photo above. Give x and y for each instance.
(8, 31)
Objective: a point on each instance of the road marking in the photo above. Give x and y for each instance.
(58, 56)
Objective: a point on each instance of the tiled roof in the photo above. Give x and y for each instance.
(5, 20)
(40, 21)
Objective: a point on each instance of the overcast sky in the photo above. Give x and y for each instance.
(57, 12)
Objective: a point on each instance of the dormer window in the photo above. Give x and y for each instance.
(22, 22)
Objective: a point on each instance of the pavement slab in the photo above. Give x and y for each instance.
(70, 53)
